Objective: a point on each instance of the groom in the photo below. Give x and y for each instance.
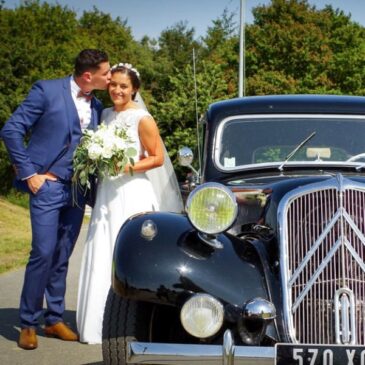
(53, 115)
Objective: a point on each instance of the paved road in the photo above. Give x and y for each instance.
(50, 351)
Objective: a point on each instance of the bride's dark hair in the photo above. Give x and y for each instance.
(129, 71)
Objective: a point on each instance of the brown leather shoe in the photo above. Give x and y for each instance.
(28, 339)
(61, 331)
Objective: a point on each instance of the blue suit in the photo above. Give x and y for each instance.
(49, 116)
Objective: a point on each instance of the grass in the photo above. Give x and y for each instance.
(15, 235)
(15, 231)
(18, 198)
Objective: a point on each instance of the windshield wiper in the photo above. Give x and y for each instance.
(358, 168)
(295, 150)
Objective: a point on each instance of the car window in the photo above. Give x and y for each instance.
(245, 141)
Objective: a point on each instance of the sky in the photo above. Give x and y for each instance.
(150, 17)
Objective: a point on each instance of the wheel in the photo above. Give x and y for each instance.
(127, 320)
(124, 320)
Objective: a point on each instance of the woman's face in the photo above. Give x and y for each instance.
(121, 90)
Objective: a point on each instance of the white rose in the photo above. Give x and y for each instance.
(107, 151)
(94, 151)
(100, 133)
(120, 143)
(130, 135)
(107, 137)
(108, 143)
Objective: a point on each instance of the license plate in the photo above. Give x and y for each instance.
(289, 354)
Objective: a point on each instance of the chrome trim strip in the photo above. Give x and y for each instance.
(354, 254)
(314, 248)
(270, 165)
(228, 348)
(341, 212)
(345, 317)
(177, 354)
(318, 272)
(354, 227)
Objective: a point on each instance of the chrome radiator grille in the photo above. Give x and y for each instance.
(323, 262)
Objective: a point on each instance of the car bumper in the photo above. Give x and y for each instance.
(178, 354)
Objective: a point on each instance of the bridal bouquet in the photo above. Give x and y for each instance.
(105, 151)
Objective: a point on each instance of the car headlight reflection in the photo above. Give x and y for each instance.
(212, 208)
(202, 315)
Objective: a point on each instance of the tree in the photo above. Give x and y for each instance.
(174, 50)
(306, 46)
(177, 114)
(221, 46)
(176, 45)
(36, 43)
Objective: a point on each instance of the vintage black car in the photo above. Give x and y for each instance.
(266, 266)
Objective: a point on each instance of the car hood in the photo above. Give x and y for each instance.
(258, 198)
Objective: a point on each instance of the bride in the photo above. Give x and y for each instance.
(120, 197)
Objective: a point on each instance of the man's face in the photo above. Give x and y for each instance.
(101, 77)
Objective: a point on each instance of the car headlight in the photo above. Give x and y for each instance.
(202, 315)
(211, 208)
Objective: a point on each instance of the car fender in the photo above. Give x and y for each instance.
(177, 263)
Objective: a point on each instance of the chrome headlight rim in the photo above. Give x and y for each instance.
(219, 187)
(205, 300)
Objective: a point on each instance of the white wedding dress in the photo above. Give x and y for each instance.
(117, 199)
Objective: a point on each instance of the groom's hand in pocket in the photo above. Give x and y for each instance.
(35, 182)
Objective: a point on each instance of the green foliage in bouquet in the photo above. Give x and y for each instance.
(104, 152)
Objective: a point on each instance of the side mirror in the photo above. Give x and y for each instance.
(185, 156)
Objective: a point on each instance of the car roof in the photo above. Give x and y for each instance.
(287, 104)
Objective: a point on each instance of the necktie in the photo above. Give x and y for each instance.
(86, 96)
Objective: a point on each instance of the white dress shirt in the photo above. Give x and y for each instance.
(83, 106)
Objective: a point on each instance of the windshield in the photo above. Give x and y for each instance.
(247, 142)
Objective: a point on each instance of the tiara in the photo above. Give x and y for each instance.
(125, 65)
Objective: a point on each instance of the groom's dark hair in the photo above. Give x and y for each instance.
(89, 60)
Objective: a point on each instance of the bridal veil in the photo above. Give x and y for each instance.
(163, 179)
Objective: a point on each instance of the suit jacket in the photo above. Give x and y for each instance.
(47, 114)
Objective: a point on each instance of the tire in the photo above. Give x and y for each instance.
(128, 320)
(124, 320)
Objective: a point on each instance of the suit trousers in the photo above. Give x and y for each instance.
(56, 224)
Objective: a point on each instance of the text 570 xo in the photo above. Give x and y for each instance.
(287, 354)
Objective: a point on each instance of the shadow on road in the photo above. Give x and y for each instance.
(8, 322)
